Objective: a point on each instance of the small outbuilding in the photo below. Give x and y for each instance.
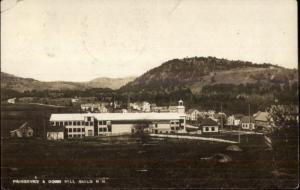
(23, 131)
(55, 133)
(209, 126)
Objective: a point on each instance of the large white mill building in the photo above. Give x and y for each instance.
(97, 124)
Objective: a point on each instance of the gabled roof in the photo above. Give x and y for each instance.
(262, 116)
(245, 119)
(208, 122)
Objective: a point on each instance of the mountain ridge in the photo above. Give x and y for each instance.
(21, 84)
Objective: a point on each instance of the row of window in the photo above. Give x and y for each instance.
(175, 128)
(207, 128)
(78, 123)
(104, 129)
(76, 130)
(76, 136)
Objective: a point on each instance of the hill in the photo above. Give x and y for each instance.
(209, 81)
(112, 83)
(19, 84)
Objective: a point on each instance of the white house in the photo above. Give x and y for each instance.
(11, 100)
(247, 123)
(94, 108)
(192, 114)
(234, 120)
(209, 126)
(146, 106)
(74, 100)
(78, 125)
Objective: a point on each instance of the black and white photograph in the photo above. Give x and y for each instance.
(149, 94)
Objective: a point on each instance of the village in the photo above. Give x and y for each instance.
(100, 119)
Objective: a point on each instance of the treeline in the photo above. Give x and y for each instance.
(94, 92)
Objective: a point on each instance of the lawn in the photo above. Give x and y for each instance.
(128, 162)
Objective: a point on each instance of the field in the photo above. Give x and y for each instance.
(37, 116)
(144, 162)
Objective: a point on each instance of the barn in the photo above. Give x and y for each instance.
(23, 131)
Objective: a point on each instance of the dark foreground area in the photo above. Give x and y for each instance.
(134, 162)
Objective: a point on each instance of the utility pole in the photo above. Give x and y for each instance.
(45, 135)
(221, 117)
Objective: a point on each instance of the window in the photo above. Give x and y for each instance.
(70, 130)
(65, 123)
(82, 122)
(88, 118)
(91, 123)
(155, 125)
(61, 123)
(74, 122)
(109, 128)
(104, 129)
(70, 136)
(99, 122)
(172, 128)
(213, 129)
(100, 129)
(78, 129)
(87, 123)
(78, 122)
(206, 129)
(56, 124)
(70, 122)
(83, 129)
(177, 128)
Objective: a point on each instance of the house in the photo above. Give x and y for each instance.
(94, 108)
(74, 100)
(135, 106)
(247, 123)
(192, 114)
(141, 106)
(234, 120)
(160, 109)
(209, 126)
(11, 100)
(146, 106)
(78, 125)
(262, 119)
(22, 131)
(220, 118)
(211, 113)
(55, 133)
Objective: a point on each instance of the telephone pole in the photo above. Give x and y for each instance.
(221, 117)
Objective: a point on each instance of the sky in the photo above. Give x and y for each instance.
(76, 40)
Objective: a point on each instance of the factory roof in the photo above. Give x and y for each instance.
(116, 116)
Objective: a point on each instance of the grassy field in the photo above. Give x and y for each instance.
(135, 162)
(127, 162)
(37, 116)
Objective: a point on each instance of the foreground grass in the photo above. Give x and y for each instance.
(126, 162)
